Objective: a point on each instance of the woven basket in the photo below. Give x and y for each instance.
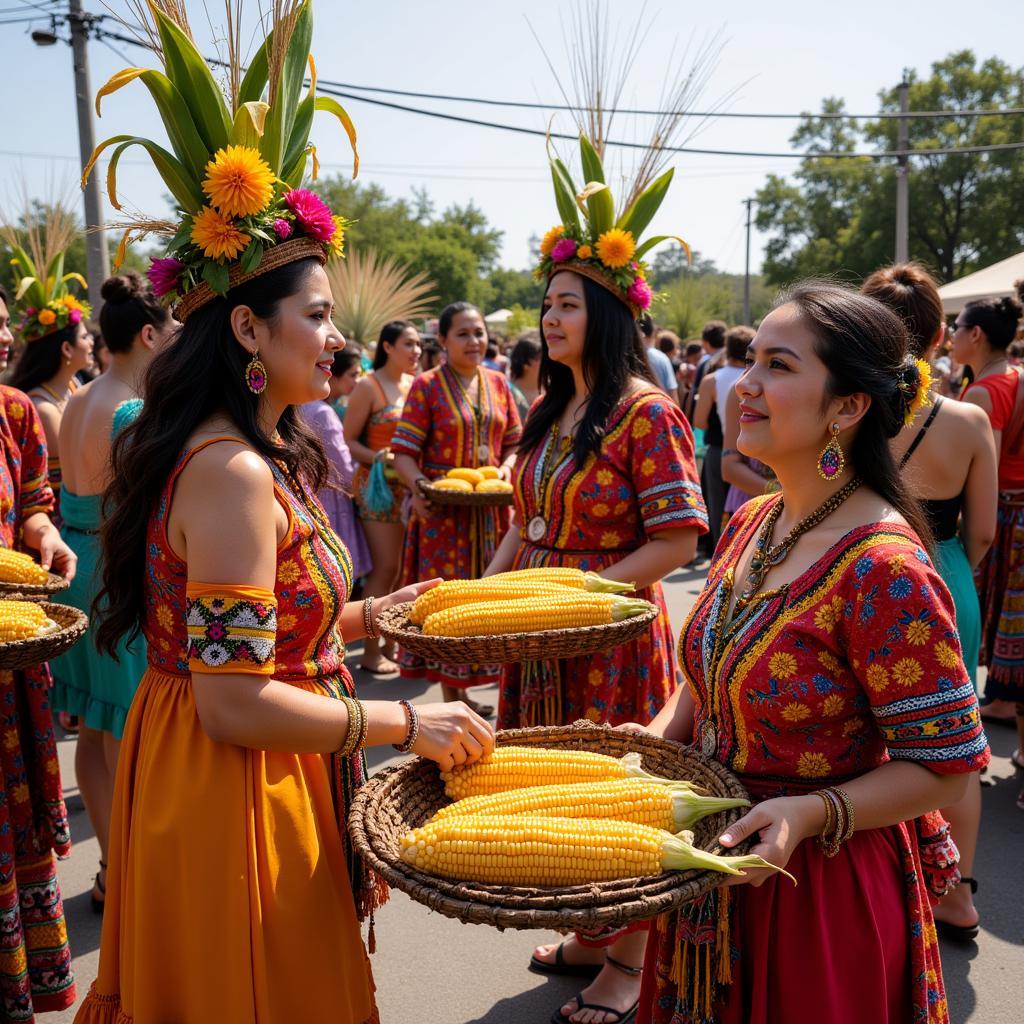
(394, 624)
(472, 499)
(33, 591)
(23, 653)
(403, 798)
(276, 256)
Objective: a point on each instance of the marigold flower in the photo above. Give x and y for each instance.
(550, 239)
(217, 235)
(584, 252)
(615, 248)
(238, 181)
(47, 317)
(336, 246)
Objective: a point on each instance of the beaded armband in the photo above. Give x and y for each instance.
(230, 629)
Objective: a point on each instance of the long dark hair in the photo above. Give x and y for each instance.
(524, 353)
(612, 353)
(864, 346)
(40, 359)
(389, 333)
(199, 375)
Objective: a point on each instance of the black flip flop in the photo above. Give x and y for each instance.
(617, 1018)
(962, 933)
(559, 966)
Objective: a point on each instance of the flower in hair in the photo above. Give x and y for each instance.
(165, 275)
(584, 252)
(282, 228)
(74, 316)
(217, 235)
(313, 215)
(615, 248)
(917, 397)
(640, 294)
(550, 238)
(239, 182)
(564, 250)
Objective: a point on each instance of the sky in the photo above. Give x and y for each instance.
(783, 57)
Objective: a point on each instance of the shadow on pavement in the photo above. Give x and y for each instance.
(534, 1006)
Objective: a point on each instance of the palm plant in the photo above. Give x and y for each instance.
(371, 289)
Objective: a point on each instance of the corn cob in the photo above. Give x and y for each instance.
(22, 620)
(525, 850)
(488, 472)
(17, 567)
(452, 484)
(471, 476)
(566, 576)
(570, 610)
(512, 767)
(669, 806)
(489, 486)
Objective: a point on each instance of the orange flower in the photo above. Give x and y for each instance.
(217, 235)
(550, 239)
(584, 252)
(47, 317)
(615, 248)
(238, 181)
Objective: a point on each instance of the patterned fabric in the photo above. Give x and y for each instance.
(35, 959)
(642, 481)
(230, 629)
(438, 429)
(1000, 580)
(256, 837)
(854, 663)
(377, 434)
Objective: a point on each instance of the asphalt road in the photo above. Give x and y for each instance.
(432, 970)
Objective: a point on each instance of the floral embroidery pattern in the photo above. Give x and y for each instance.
(228, 633)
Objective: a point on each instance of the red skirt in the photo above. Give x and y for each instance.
(853, 942)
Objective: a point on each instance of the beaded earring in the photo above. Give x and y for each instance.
(832, 461)
(256, 375)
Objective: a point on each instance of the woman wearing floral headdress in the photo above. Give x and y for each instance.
(233, 893)
(605, 481)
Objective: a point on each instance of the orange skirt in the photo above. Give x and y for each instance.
(228, 897)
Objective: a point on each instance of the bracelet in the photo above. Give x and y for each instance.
(839, 820)
(368, 621)
(357, 726)
(848, 805)
(414, 728)
(830, 817)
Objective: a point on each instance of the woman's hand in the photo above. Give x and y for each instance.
(505, 472)
(55, 554)
(409, 593)
(419, 501)
(782, 824)
(635, 727)
(451, 734)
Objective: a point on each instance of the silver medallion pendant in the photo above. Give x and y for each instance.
(483, 453)
(708, 739)
(536, 529)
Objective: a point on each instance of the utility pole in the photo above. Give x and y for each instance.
(903, 176)
(746, 273)
(97, 259)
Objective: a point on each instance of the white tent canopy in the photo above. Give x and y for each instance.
(992, 282)
(498, 318)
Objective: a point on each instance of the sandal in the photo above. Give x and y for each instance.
(379, 669)
(960, 932)
(618, 1016)
(98, 904)
(561, 966)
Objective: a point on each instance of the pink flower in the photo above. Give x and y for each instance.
(75, 316)
(164, 275)
(564, 250)
(313, 215)
(640, 294)
(282, 228)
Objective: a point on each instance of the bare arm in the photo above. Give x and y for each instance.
(663, 553)
(360, 406)
(50, 417)
(705, 399)
(734, 470)
(506, 553)
(983, 400)
(981, 495)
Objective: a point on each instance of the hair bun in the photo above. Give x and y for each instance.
(1010, 307)
(124, 287)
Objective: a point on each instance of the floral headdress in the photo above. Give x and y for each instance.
(592, 241)
(43, 300)
(915, 385)
(238, 162)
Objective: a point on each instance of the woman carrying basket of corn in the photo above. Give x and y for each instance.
(232, 891)
(605, 481)
(460, 414)
(825, 670)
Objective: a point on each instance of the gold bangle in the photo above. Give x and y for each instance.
(850, 818)
(356, 733)
(830, 817)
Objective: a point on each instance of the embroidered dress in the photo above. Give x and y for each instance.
(854, 663)
(228, 891)
(440, 429)
(642, 481)
(35, 960)
(380, 428)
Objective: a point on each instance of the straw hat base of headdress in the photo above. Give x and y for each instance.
(285, 252)
(598, 277)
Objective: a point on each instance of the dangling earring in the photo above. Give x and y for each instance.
(256, 374)
(832, 461)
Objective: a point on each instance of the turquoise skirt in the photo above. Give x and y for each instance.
(86, 683)
(952, 565)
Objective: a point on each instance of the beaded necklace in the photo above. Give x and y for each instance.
(481, 452)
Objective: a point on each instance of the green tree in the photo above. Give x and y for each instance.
(513, 288)
(837, 216)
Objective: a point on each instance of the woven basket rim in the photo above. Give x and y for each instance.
(54, 585)
(19, 653)
(277, 256)
(478, 499)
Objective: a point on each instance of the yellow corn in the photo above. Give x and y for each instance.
(488, 472)
(570, 610)
(525, 850)
(672, 806)
(21, 620)
(17, 567)
(471, 476)
(512, 767)
(490, 486)
(452, 484)
(566, 576)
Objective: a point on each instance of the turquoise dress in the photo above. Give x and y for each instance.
(86, 683)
